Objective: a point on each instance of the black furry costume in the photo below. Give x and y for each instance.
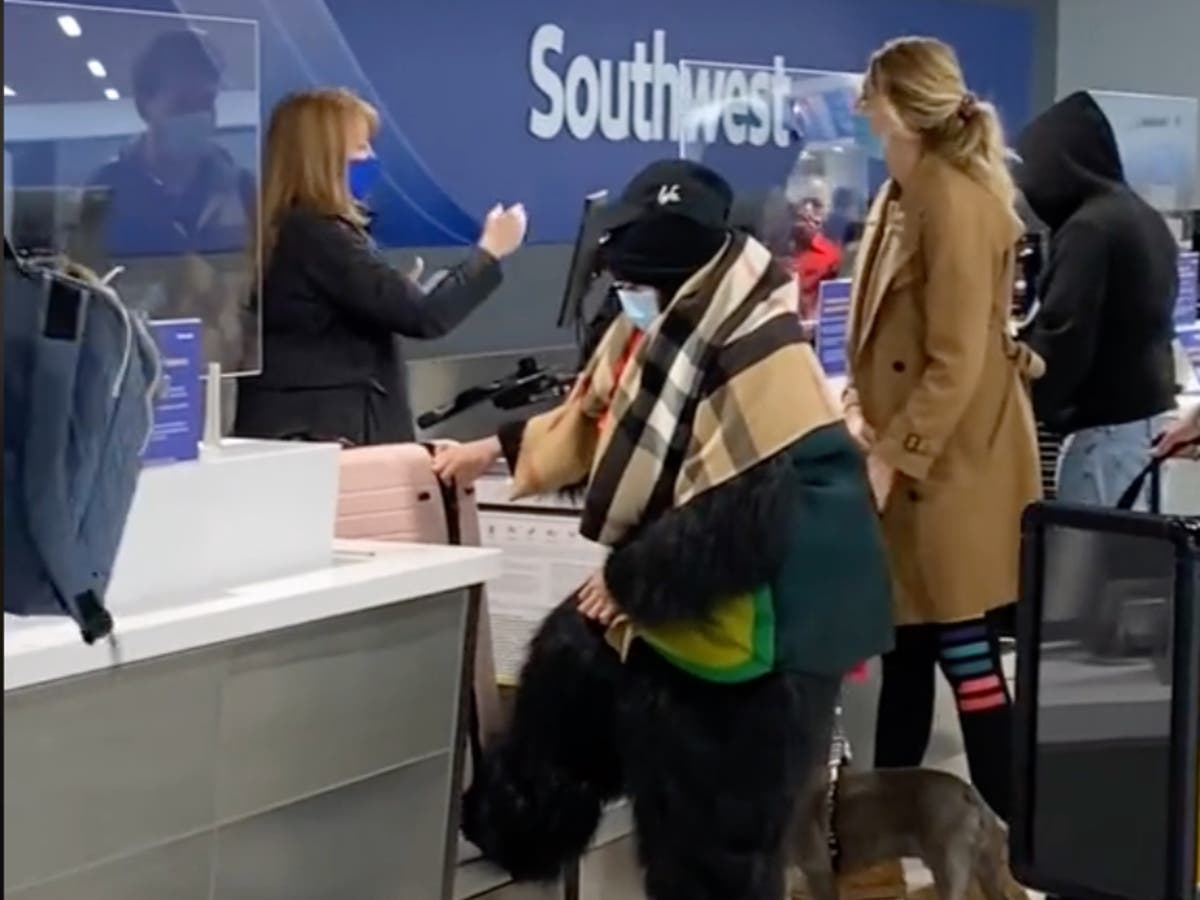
(711, 769)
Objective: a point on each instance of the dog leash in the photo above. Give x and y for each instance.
(839, 755)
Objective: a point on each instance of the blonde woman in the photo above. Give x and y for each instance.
(332, 307)
(937, 400)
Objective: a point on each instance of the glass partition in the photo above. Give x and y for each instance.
(799, 156)
(131, 139)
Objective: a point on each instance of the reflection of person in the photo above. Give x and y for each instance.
(1107, 293)
(767, 217)
(332, 306)
(174, 207)
(817, 258)
(854, 235)
(843, 213)
(697, 672)
(937, 398)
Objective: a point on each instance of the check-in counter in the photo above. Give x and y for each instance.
(279, 715)
(296, 737)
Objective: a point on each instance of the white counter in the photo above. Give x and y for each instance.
(362, 576)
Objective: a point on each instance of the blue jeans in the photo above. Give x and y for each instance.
(1098, 464)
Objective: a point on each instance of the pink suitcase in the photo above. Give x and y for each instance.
(389, 493)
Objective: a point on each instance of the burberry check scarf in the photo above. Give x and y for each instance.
(723, 380)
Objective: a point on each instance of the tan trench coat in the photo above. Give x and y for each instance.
(936, 375)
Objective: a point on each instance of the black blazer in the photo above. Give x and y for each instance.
(332, 309)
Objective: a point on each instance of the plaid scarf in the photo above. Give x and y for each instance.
(722, 381)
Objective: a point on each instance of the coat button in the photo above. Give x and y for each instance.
(898, 366)
(913, 496)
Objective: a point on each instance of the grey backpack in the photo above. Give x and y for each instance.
(80, 377)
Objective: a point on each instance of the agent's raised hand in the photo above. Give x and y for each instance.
(504, 230)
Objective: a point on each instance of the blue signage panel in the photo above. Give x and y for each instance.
(543, 102)
(176, 433)
(1185, 302)
(1189, 339)
(833, 323)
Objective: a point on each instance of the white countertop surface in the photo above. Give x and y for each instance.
(362, 575)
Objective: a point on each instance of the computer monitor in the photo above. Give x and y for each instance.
(583, 270)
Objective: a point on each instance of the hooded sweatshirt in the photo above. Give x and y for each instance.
(1109, 286)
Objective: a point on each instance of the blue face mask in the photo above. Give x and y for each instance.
(186, 136)
(640, 306)
(362, 175)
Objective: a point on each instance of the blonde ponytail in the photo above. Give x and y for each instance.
(922, 83)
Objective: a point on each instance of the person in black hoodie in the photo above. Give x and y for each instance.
(1104, 327)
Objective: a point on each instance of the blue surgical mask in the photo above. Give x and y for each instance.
(187, 135)
(362, 176)
(640, 306)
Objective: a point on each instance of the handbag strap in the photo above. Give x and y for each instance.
(1150, 473)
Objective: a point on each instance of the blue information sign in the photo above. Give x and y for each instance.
(1185, 302)
(1189, 339)
(176, 433)
(833, 321)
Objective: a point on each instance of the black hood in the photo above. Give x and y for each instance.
(1068, 155)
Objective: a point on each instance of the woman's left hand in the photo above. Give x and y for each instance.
(595, 602)
(882, 477)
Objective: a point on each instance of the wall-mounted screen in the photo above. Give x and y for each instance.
(1157, 137)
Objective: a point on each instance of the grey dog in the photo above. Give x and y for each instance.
(892, 814)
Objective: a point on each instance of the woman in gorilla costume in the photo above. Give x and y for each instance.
(698, 672)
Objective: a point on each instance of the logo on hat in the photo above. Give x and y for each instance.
(668, 194)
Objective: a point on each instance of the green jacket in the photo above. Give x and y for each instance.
(781, 569)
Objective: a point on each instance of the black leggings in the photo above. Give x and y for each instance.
(969, 656)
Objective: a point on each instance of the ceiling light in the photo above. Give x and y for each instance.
(70, 26)
(112, 94)
(9, 92)
(97, 68)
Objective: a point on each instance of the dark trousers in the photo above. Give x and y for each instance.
(968, 654)
(713, 771)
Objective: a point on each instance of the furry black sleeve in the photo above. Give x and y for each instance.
(732, 538)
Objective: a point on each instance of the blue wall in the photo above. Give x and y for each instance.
(452, 80)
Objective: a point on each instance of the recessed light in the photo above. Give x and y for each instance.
(112, 93)
(97, 68)
(70, 26)
(9, 92)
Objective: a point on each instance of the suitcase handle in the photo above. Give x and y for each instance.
(450, 507)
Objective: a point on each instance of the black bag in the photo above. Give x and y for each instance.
(1108, 693)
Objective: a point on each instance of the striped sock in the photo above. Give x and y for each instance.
(971, 665)
(969, 654)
